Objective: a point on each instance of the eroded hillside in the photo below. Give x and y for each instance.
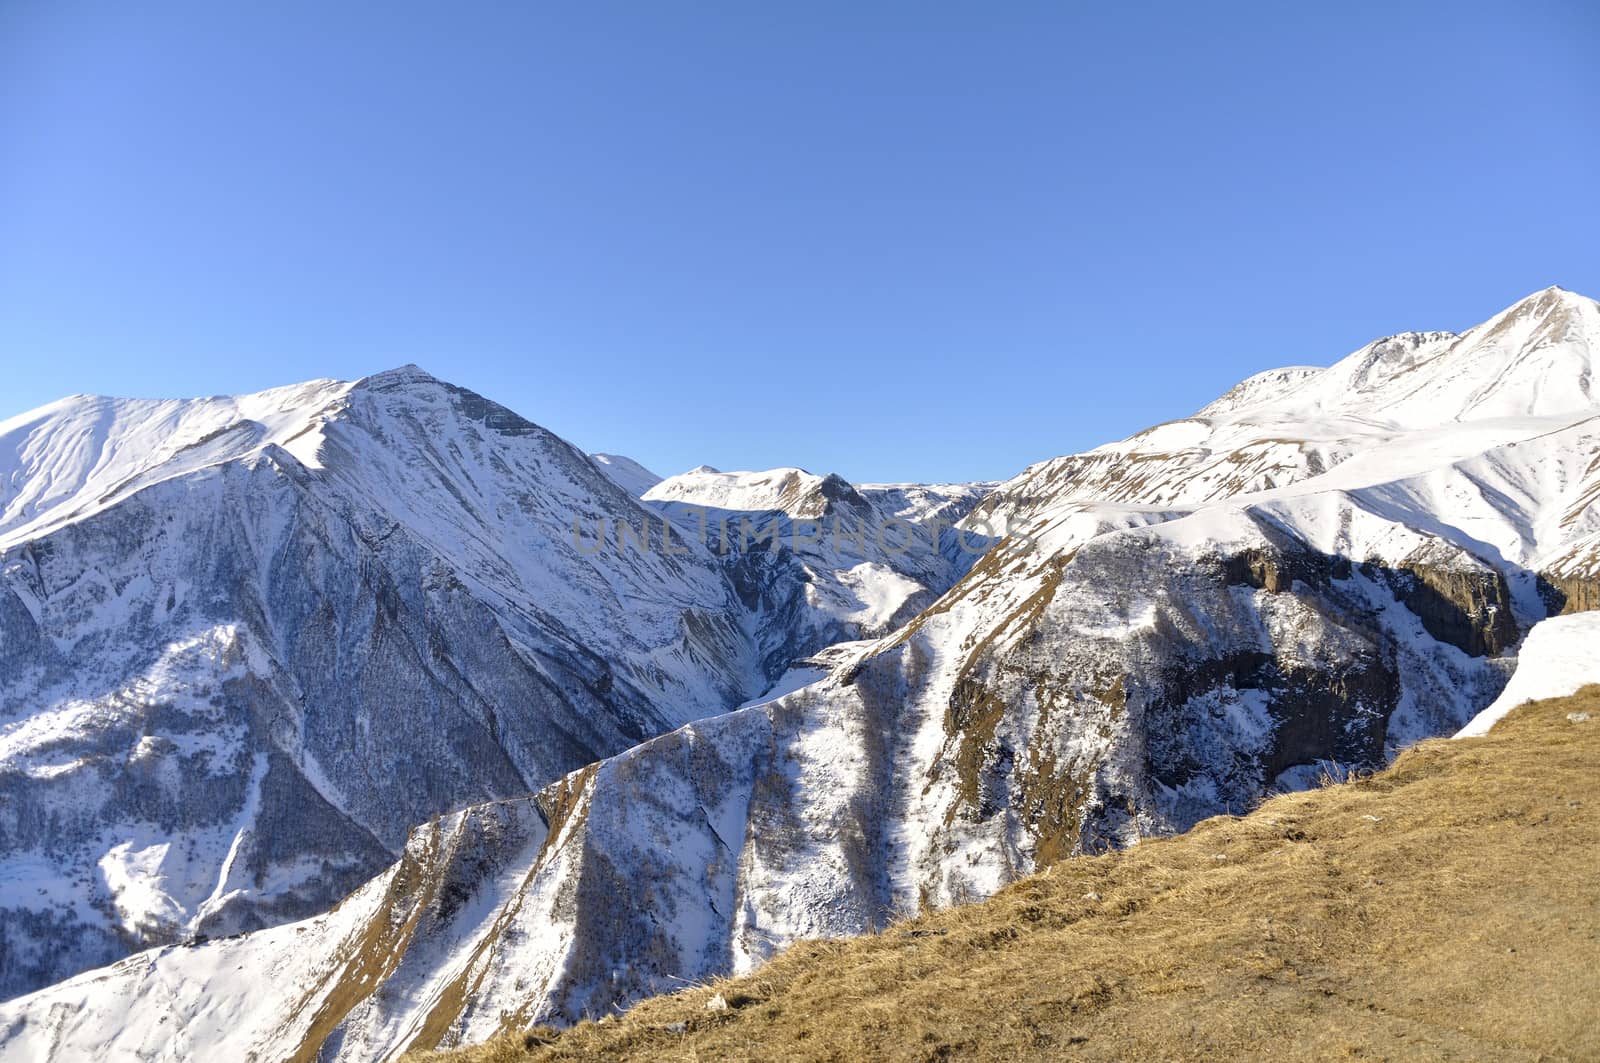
(1445, 908)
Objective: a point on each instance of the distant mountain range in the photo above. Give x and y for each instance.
(644, 730)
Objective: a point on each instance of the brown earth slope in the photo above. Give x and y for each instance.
(1447, 908)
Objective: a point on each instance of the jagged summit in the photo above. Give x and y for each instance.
(853, 552)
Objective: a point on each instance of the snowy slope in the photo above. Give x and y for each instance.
(82, 454)
(266, 995)
(249, 642)
(1322, 565)
(628, 474)
(822, 560)
(1559, 657)
(246, 644)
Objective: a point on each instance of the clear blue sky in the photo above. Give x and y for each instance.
(909, 240)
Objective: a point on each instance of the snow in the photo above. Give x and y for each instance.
(82, 454)
(137, 881)
(163, 566)
(879, 589)
(628, 474)
(802, 675)
(771, 489)
(892, 768)
(178, 1003)
(1559, 657)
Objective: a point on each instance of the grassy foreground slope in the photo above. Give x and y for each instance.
(1447, 908)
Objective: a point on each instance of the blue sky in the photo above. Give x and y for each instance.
(894, 240)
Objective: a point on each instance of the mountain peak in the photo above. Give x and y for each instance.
(1560, 292)
(407, 375)
(1554, 301)
(1550, 315)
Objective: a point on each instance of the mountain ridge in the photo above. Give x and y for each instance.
(1160, 630)
(220, 615)
(1330, 922)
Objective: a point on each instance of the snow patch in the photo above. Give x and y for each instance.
(1559, 657)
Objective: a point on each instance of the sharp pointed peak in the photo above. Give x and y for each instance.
(1549, 298)
(400, 376)
(1552, 304)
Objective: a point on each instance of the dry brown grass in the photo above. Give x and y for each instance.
(1447, 908)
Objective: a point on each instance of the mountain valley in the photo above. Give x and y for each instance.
(351, 719)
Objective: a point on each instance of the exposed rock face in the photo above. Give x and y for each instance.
(1470, 610)
(1570, 594)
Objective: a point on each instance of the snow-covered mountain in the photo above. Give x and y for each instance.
(247, 643)
(855, 560)
(1322, 565)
